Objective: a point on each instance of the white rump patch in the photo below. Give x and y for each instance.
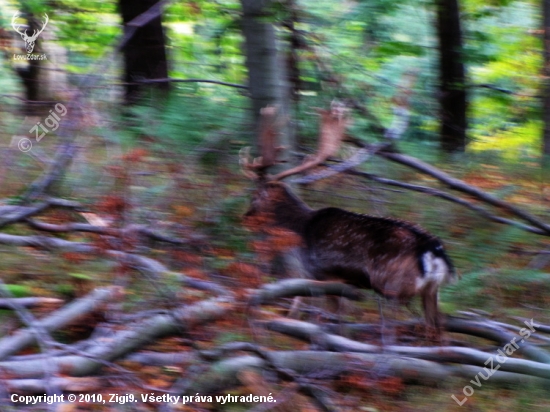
(435, 270)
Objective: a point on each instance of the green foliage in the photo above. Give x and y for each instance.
(504, 55)
(80, 276)
(81, 28)
(19, 291)
(492, 290)
(186, 118)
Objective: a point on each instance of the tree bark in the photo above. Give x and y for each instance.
(268, 84)
(65, 316)
(452, 77)
(546, 77)
(145, 53)
(30, 74)
(267, 77)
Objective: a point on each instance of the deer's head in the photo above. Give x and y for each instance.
(272, 198)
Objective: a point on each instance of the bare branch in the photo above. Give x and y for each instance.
(487, 330)
(46, 242)
(10, 345)
(122, 343)
(461, 186)
(169, 80)
(39, 386)
(314, 334)
(303, 287)
(444, 195)
(10, 303)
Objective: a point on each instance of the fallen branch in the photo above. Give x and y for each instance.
(461, 186)
(223, 375)
(38, 386)
(46, 242)
(490, 331)
(61, 161)
(169, 80)
(314, 334)
(103, 230)
(444, 195)
(143, 263)
(303, 287)
(57, 320)
(162, 359)
(14, 214)
(125, 341)
(9, 303)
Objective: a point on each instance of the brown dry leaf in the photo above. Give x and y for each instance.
(391, 386)
(135, 155)
(196, 274)
(283, 240)
(257, 223)
(357, 381)
(76, 258)
(67, 407)
(486, 181)
(159, 382)
(247, 274)
(111, 204)
(222, 253)
(183, 211)
(188, 258)
(255, 384)
(263, 248)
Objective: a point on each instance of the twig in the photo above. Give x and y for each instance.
(169, 80)
(10, 303)
(444, 195)
(121, 343)
(12, 344)
(461, 186)
(303, 287)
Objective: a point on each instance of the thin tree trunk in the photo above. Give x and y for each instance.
(144, 54)
(267, 77)
(452, 91)
(268, 85)
(30, 73)
(546, 77)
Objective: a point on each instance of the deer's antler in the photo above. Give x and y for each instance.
(333, 126)
(267, 139)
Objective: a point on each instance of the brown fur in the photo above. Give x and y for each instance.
(383, 254)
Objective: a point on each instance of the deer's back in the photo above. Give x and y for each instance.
(395, 258)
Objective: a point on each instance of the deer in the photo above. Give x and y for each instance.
(397, 259)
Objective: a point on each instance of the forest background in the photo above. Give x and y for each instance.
(122, 217)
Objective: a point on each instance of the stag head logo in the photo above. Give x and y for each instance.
(29, 40)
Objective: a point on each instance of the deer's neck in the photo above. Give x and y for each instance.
(292, 214)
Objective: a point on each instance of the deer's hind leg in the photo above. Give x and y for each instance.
(431, 310)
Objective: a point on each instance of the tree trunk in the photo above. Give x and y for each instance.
(144, 54)
(267, 77)
(268, 85)
(452, 76)
(546, 77)
(30, 73)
